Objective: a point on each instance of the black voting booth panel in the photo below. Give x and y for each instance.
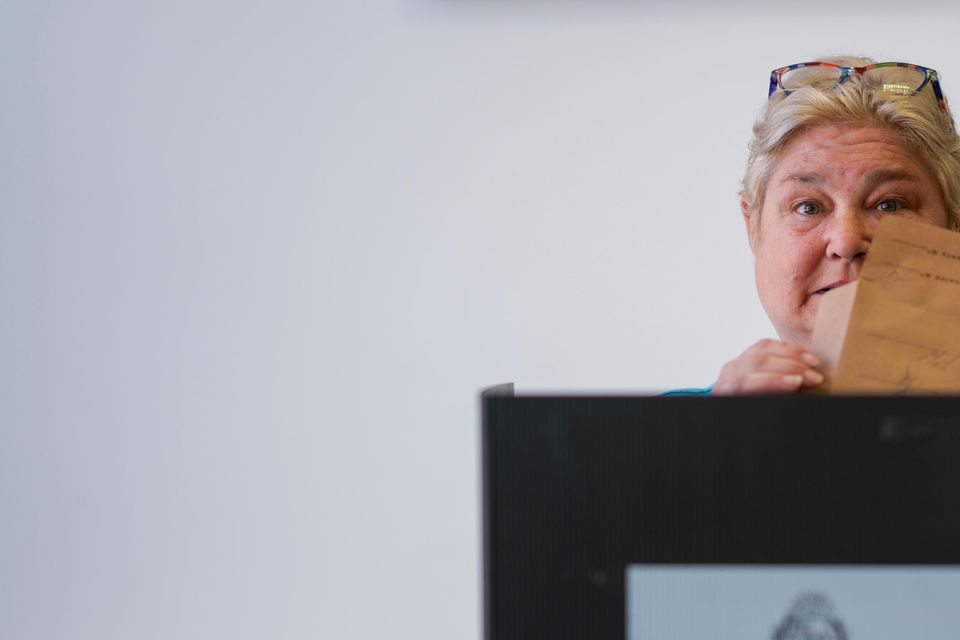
(577, 488)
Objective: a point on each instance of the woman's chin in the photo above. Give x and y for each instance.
(799, 327)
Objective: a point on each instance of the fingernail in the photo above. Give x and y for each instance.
(793, 380)
(811, 359)
(813, 377)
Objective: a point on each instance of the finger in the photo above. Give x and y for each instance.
(757, 382)
(784, 365)
(733, 376)
(783, 349)
(765, 382)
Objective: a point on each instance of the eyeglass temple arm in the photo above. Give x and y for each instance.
(935, 81)
(774, 82)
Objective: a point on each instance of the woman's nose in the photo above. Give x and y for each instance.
(849, 236)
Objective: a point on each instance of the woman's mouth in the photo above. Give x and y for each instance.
(832, 285)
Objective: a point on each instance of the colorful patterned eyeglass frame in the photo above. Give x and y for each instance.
(931, 76)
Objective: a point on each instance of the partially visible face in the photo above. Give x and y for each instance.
(826, 196)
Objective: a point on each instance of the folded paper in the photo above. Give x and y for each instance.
(897, 329)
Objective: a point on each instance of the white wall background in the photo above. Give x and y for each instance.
(257, 259)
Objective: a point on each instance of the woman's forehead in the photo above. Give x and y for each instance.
(830, 152)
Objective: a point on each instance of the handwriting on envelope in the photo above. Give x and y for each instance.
(896, 330)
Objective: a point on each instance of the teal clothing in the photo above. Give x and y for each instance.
(690, 392)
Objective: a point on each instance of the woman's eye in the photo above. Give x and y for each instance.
(808, 208)
(889, 206)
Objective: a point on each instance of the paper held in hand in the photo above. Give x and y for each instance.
(897, 329)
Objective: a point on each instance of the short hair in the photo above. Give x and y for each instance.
(919, 120)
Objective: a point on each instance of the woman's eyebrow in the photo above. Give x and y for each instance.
(804, 177)
(880, 176)
(872, 179)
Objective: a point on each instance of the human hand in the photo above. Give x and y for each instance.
(769, 366)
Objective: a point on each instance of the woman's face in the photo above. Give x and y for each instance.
(827, 194)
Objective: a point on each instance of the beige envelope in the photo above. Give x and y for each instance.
(896, 330)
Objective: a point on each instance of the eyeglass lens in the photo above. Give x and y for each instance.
(901, 80)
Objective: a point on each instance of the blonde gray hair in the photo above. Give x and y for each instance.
(919, 120)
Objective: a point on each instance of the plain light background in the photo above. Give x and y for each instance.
(258, 258)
